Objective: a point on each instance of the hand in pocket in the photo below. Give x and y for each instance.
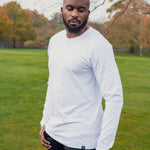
(44, 142)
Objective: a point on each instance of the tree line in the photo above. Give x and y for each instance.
(128, 29)
(24, 28)
(130, 26)
(16, 24)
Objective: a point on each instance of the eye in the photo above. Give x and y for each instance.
(70, 8)
(81, 9)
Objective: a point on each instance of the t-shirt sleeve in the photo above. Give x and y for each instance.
(47, 105)
(108, 78)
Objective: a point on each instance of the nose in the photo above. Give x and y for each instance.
(75, 13)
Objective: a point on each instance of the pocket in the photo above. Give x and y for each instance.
(55, 145)
(47, 137)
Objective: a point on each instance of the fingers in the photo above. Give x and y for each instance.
(44, 142)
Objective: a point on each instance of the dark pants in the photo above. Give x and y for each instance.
(58, 146)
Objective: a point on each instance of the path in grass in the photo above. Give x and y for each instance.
(23, 83)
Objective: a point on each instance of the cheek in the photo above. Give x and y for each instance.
(66, 16)
(84, 17)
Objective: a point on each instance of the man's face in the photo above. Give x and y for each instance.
(75, 14)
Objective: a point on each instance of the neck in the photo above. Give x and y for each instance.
(71, 35)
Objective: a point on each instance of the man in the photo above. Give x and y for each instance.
(82, 70)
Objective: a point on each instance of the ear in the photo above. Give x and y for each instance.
(88, 12)
(61, 9)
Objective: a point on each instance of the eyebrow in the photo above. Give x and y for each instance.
(80, 7)
(68, 5)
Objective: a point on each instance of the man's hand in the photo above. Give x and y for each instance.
(44, 142)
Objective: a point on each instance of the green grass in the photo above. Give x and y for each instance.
(23, 84)
(133, 133)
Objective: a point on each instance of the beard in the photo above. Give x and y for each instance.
(74, 30)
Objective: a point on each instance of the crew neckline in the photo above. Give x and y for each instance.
(80, 36)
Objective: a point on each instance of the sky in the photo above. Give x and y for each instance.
(148, 1)
(49, 7)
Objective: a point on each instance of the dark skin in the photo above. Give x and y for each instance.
(75, 12)
(44, 142)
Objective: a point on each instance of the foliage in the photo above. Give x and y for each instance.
(23, 79)
(124, 32)
(130, 24)
(5, 24)
(21, 27)
(114, 7)
(57, 17)
(31, 44)
(44, 28)
(129, 28)
(26, 28)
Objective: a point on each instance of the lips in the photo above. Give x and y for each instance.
(74, 21)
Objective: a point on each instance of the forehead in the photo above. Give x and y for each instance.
(76, 3)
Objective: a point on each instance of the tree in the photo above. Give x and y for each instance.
(57, 17)
(22, 29)
(5, 24)
(138, 11)
(96, 3)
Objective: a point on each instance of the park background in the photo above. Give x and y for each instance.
(24, 36)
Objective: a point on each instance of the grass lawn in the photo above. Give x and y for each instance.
(23, 84)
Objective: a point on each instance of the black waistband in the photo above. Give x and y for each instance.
(65, 147)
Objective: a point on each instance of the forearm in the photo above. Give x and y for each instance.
(110, 124)
(47, 109)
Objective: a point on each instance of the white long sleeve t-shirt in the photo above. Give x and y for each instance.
(82, 71)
